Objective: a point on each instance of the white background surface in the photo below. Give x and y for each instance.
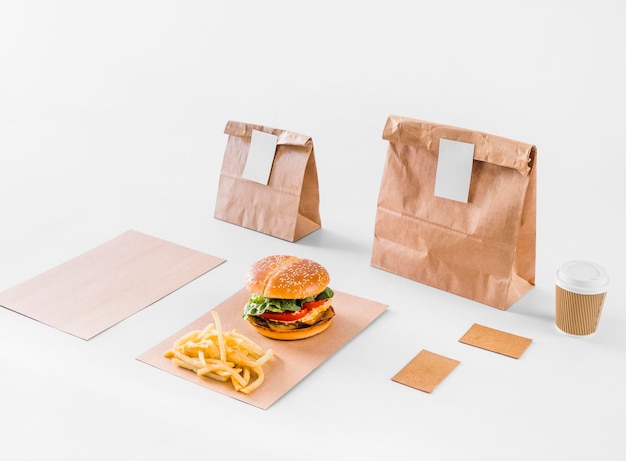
(112, 117)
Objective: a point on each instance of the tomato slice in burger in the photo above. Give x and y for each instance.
(313, 304)
(285, 316)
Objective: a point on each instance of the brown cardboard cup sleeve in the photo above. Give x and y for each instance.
(581, 288)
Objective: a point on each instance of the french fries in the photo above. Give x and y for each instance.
(221, 355)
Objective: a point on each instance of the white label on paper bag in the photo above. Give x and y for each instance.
(260, 157)
(454, 170)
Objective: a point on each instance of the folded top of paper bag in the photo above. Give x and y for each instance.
(488, 148)
(284, 137)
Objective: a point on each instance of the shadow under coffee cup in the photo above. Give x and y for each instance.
(581, 288)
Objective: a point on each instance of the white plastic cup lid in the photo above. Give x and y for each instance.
(582, 277)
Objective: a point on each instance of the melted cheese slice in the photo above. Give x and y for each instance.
(309, 319)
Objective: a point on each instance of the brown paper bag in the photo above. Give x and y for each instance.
(483, 249)
(287, 206)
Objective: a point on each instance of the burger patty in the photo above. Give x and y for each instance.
(325, 315)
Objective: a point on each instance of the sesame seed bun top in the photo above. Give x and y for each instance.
(286, 277)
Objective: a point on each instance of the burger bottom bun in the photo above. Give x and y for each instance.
(296, 333)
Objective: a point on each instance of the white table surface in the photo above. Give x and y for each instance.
(111, 118)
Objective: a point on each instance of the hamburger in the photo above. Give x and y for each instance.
(290, 298)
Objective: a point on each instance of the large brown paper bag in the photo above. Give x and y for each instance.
(287, 206)
(484, 249)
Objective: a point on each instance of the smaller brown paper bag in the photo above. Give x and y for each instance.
(481, 246)
(287, 206)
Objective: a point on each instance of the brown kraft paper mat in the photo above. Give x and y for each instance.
(292, 360)
(97, 289)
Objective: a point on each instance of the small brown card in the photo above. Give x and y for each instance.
(496, 341)
(425, 371)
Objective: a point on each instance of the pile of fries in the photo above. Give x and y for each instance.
(221, 355)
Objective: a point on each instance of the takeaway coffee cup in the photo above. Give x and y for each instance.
(581, 288)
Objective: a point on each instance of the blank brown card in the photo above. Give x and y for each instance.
(496, 341)
(425, 371)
